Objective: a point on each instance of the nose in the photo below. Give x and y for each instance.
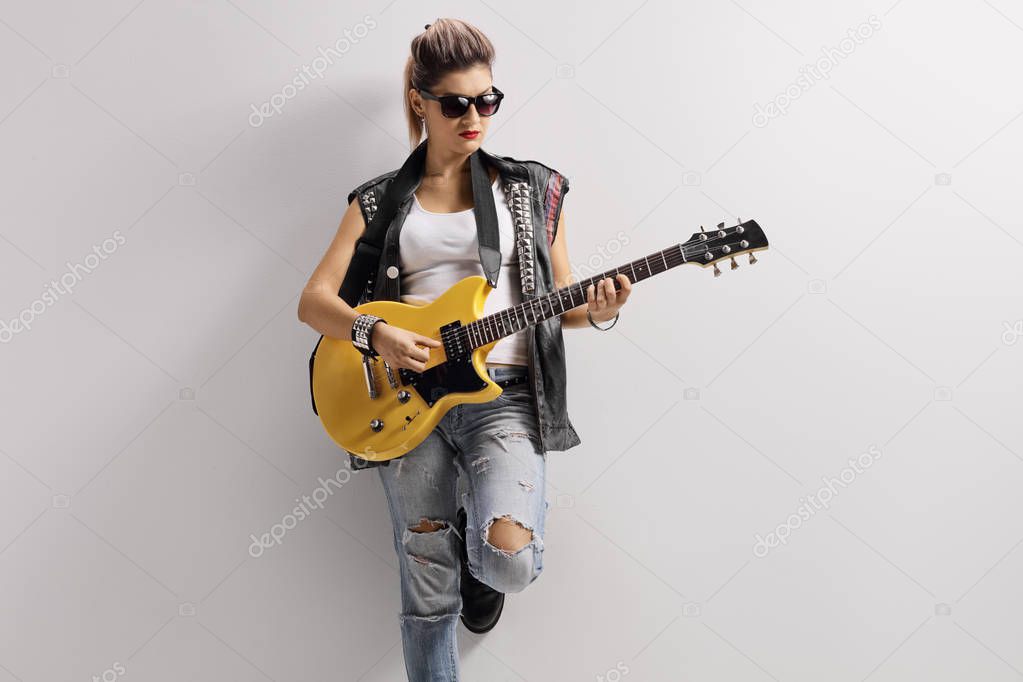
(471, 114)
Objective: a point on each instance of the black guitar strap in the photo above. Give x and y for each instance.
(369, 247)
(485, 210)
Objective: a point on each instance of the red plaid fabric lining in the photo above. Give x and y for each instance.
(552, 201)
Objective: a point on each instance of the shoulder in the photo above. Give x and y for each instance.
(374, 185)
(537, 169)
(550, 184)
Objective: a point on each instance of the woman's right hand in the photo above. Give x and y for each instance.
(402, 348)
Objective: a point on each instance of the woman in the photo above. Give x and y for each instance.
(459, 555)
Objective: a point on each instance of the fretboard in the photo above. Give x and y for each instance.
(535, 310)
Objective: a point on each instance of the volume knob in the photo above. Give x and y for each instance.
(376, 424)
(403, 396)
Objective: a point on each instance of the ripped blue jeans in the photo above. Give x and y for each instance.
(491, 452)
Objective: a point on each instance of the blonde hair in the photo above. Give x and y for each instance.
(444, 46)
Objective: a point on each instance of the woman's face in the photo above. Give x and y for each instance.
(447, 132)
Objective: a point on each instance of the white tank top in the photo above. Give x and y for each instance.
(437, 250)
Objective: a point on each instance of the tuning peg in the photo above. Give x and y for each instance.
(717, 271)
(752, 258)
(701, 228)
(735, 265)
(721, 226)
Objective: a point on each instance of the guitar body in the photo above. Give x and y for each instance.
(407, 411)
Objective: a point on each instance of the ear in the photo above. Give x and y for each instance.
(417, 103)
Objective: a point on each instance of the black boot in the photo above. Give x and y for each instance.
(481, 604)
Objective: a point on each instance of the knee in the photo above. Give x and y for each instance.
(430, 569)
(427, 526)
(508, 535)
(428, 543)
(514, 566)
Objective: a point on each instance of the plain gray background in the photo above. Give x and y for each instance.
(157, 416)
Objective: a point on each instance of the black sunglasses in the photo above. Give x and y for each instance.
(455, 106)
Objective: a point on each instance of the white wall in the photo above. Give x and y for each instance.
(158, 414)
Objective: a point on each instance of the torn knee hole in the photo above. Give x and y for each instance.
(507, 534)
(428, 526)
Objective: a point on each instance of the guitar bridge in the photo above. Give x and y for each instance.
(371, 380)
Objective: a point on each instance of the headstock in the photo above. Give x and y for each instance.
(708, 247)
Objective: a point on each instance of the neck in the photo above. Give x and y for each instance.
(443, 166)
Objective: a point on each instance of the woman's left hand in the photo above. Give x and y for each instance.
(603, 301)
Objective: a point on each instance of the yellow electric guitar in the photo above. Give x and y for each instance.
(377, 413)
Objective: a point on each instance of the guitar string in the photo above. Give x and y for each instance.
(478, 328)
(502, 320)
(505, 318)
(498, 324)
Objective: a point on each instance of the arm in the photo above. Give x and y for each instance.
(603, 304)
(321, 308)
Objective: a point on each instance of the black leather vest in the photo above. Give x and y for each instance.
(535, 194)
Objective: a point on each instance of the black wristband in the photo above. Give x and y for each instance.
(362, 333)
(603, 329)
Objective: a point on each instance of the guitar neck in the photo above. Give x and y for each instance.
(535, 310)
(703, 248)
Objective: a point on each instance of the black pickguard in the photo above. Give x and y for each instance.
(447, 377)
(456, 375)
